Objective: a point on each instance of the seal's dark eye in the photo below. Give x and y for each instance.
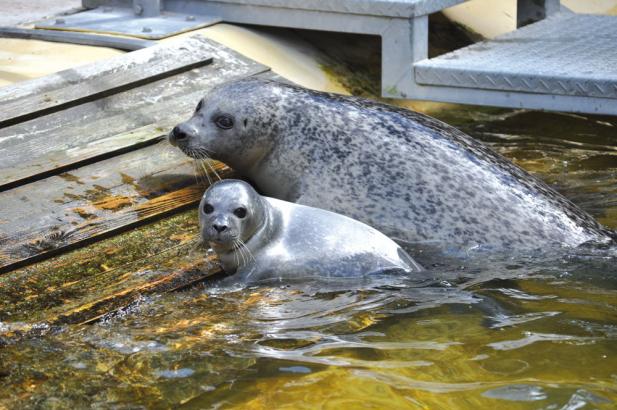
(240, 212)
(208, 209)
(224, 122)
(199, 105)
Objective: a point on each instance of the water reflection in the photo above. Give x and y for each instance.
(536, 339)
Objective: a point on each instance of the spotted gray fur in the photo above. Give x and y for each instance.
(407, 174)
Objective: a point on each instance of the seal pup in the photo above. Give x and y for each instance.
(410, 176)
(258, 238)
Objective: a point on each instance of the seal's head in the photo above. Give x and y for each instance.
(233, 123)
(230, 211)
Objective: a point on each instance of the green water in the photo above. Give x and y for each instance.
(538, 333)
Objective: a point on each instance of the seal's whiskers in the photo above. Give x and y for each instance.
(236, 257)
(196, 163)
(199, 179)
(243, 251)
(209, 162)
(247, 250)
(206, 173)
(238, 247)
(206, 152)
(204, 156)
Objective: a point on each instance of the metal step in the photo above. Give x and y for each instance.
(565, 55)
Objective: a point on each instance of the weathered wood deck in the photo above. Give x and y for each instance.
(82, 159)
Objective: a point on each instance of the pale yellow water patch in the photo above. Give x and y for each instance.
(592, 6)
(610, 218)
(27, 59)
(288, 55)
(491, 18)
(488, 18)
(425, 107)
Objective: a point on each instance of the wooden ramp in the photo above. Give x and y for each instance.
(82, 158)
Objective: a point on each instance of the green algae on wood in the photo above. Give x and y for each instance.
(81, 285)
(26, 292)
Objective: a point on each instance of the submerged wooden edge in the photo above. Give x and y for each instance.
(93, 311)
(41, 290)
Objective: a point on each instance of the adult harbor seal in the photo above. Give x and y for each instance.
(258, 237)
(407, 174)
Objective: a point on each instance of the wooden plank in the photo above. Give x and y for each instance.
(97, 296)
(93, 311)
(56, 162)
(64, 140)
(106, 304)
(40, 291)
(92, 71)
(59, 213)
(36, 105)
(94, 281)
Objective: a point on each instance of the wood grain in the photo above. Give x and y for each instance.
(81, 74)
(70, 138)
(159, 66)
(59, 213)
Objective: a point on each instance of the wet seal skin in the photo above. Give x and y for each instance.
(410, 176)
(258, 238)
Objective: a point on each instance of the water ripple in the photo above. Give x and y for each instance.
(531, 338)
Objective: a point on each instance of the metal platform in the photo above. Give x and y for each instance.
(401, 24)
(558, 61)
(567, 62)
(126, 21)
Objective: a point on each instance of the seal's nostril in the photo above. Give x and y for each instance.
(179, 134)
(219, 228)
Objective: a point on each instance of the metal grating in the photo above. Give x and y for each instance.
(566, 54)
